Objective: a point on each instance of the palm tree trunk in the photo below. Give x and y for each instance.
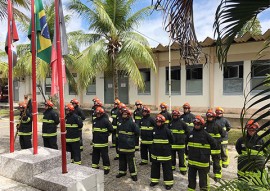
(115, 82)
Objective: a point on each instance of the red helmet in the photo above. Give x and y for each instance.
(95, 99)
(219, 110)
(210, 113)
(163, 105)
(160, 118)
(98, 103)
(199, 120)
(117, 101)
(138, 102)
(75, 101)
(69, 107)
(49, 103)
(251, 125)
(122, 106)
(176, 113)
(146, 109)
(127, 111)
(186, 105)
(22, 105)
(99, 110)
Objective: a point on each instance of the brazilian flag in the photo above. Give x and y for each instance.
(44, 43)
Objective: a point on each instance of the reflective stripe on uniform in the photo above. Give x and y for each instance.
(224, 142)
(24, 134)
(79, 162)
(199, 164)
(103, 130)
(183, 169)
(161, 158)
(127, 150)
(178, 146)
(49, 134)
(95, 165)
(252, 152)
(155, 180)
(215, 152)
(126, 133)
(138, 117)
(218, 175)
(199, 145)
(175, 131)
(190, 189)
(72, 125)
(114, 116)
(47, 121)
(161, 141)
(106, 167)
(147, 128)
(215, 135)
(73, 140)
(100, 145)
(168, 182)
(146, 142)
(27, 121)
(114, 127)
(190, 124)
(167, 121)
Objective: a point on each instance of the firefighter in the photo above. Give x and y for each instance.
(224, 123)
(49, 126)
(165, 113)
(161, 153)
(180, 133)
(102, 128)
(200, 144)
(187, 116)
(25, 127)
(217, 132)
(137, 115)
(146, 125)
(252, 157)
(80, 113)
(73, 125)
(127, 131)
(114, 112)
(92, 111)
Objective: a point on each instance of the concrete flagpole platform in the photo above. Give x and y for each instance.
(43, 171)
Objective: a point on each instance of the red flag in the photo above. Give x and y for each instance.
(64, 46)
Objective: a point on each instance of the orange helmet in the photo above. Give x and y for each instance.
(95, 99)
(127, 111)
(75, 101)
(122, 106)
(117, 101)
(49, 103)
(210, 113)
(160, 118)
(176, 113)
(98, 103)
(146, 109)
(219, 110)
(22, 105)
(199, 120)
(99, 110)
(138, 102)
(251, 125)
(186, 105)
(163, 105)
(69, 107)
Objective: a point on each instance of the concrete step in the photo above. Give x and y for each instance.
(7, 184)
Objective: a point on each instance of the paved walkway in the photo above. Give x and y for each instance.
(111, 182)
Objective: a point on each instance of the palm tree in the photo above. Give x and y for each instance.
(113, 45)
(17, 13)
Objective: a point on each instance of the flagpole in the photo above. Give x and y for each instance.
(34, 81)
(61, 89)
(10, 78)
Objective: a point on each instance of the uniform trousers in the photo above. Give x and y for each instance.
(167, 171)
(103, 152)
(145, 149)
(203, 178)
(224, 154)
(127, 159)
(74, 148)
(25, 141)
(50, 142)
(181, 157)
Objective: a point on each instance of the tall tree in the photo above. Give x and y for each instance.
(253, 26)
(17, 13)
(113, 45)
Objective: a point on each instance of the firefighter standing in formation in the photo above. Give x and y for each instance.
(25, 127)
(161, 153)
(137, 115)
(252, 158)
(165, 113)
(200, 144)
(146, 125)
(114, 112)
(127, 132)
(102, 128)
(180, 133)
(78, 111)
(49, 126)
(187, 116)
(225, 124)
(92, 111)
(73, 125)
(217, 132)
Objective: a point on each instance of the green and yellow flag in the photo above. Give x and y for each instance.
(44, 44)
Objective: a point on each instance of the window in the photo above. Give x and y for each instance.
(175, 80)
(91, 89)
(259, 69)
(70, 87)
(146, 76)
(48, 85)
(233, 78)
(194, 81)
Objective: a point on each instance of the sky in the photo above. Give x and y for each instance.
(151, 27)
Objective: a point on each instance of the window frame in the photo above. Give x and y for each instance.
(167, 85)
(261, 63)
(195, 66)
(50, 85)
(143, 92)
(94, 81)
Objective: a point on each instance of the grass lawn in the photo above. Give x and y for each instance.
(234, 135)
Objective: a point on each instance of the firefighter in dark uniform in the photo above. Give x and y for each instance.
(102, 128)
(165, 113)
(137, 115)
(146, 125)
(49, 126)
(251, 157)
(114, 112)
(73, 125)
(225, 124)
(121, 106)
(161, 153)
(78, 111)
(217, 132)
(187, 116)
(92, 111)
(127, 131)
(25, 127)
(180, 132)
(200, 144)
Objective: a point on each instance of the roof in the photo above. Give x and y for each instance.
(208, 42)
